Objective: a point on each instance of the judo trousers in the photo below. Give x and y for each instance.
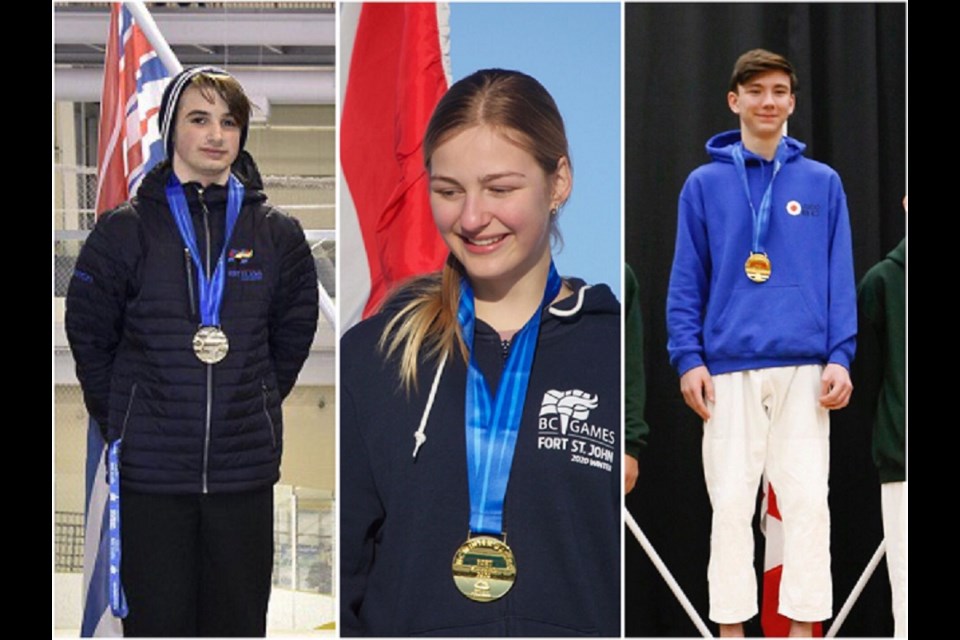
(768, 421)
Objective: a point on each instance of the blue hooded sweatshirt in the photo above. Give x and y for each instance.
(806, 313)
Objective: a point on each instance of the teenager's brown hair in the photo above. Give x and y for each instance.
(227, 87)
(757, 61)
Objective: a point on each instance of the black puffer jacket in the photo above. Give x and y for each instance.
(188, 427)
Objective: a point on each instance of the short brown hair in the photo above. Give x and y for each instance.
(757, 61)
(229, 89)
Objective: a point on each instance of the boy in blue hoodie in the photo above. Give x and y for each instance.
(761, 314)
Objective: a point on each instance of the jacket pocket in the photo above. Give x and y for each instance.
(126, 414)
(266, 411)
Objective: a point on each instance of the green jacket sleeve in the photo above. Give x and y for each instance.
(636, 427)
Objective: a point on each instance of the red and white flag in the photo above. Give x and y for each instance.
(134, 78)
(397, 68)
(773, 623)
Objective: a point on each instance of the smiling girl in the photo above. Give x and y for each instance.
(480, 409)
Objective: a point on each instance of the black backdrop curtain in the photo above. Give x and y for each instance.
(851, 113)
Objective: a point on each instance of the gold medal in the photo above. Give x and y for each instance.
(757, 267)
(210, 344)
(484, 568)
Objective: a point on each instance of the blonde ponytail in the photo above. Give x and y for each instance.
(426, 328)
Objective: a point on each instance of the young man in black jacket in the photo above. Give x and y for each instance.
(190, 314)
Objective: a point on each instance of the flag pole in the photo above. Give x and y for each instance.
(327, 307)
(857, 589)
(665, 573)
(146, 23)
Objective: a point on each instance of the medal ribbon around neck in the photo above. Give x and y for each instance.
(761, 218)
(211, 289)
(492, 424)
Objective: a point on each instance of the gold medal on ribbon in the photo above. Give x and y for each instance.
(757, 267)
(484, 568)
(210, 344)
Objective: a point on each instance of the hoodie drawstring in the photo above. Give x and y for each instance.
(566, 313)
(419, 436)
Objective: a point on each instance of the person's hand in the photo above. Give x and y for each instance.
(695, 385)
(631, 469)
(835, 387)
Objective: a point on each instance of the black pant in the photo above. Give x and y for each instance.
(197, 565)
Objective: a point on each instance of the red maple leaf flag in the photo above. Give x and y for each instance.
(397, 74)
(774, 625)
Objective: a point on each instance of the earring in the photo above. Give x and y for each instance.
(554, 211)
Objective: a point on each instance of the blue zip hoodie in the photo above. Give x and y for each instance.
(806, 313)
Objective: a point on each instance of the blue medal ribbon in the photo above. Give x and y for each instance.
(211, 289)
(118, 600)
(761, 218)
(492, 424)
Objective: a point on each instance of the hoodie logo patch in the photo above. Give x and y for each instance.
(241, 256)
(794, 208)
(237, 258)
(564, 426)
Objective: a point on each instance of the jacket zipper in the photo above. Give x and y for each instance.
(273, 429)
(188, 261)
(126, 416)
(206, 432)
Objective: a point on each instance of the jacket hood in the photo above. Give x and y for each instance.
(720, 147)
(586, 300)
(899, 254)
(154, 183)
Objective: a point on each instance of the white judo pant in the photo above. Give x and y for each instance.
(893, 502)
(769, 420)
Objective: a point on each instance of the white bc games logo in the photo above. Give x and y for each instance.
(565, 426)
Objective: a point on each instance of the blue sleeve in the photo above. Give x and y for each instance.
(689, 282)
(842, 323)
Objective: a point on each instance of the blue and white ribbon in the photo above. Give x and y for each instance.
(492, 424)
(211, 289)
(761, 217)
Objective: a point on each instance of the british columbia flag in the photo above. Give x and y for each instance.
(129, 145)
(133, 81)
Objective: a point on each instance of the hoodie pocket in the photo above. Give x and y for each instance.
(765, 321)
